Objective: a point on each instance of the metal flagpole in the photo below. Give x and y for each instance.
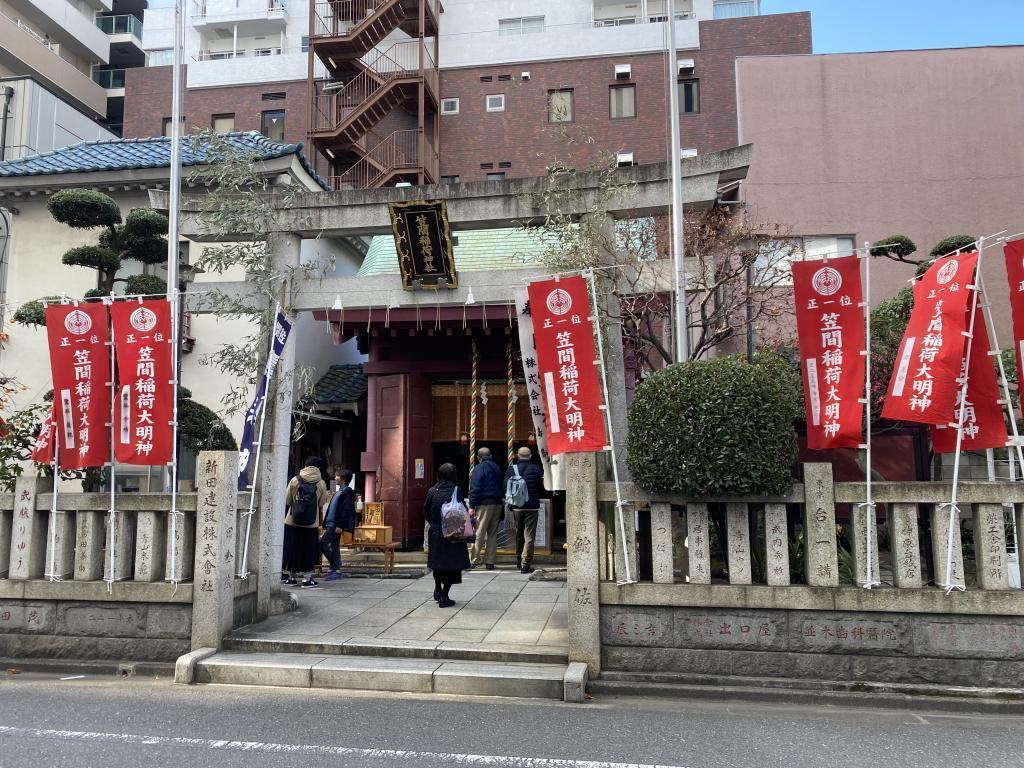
(172, 265)
(243, 569)
(676, 161)
(869, 502)
(112, 525)
(611, 435)
(55, 441)
(954, 511)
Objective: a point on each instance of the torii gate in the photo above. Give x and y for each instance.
(471, 206)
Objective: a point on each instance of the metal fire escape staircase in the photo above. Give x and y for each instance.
(372, 75)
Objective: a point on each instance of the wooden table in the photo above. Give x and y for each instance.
(388, 550)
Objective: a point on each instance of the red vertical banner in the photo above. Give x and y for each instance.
(42, 449)
(1014, 255)
(143, 430)
(984, 425)
(924, 385)
(566, 358)
(80, 366)
(830, 327)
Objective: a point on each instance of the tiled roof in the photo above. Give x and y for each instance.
(132, 154)
(479, 250)
(341, 384)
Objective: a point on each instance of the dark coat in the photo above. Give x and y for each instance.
(443, 555)
(534, 476)
(341, 512)
(485, 484)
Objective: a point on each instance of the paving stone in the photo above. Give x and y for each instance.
(473, 619)
(540, 681)
(412, 629)
(243, 668)
(375, 674)
(467, 635)
(531, 636)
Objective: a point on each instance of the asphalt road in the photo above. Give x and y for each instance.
(112, 723)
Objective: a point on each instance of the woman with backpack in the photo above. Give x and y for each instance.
(306, 496)
(449, 555)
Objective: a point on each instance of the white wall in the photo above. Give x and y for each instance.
(41, 122)
(469, 32)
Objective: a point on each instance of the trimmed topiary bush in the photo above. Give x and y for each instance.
(952, 243)
(716, 428)
(895, 246)
(83, 208)
(144, 285)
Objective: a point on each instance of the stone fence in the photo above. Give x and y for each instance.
(85, 583)
(763, 588)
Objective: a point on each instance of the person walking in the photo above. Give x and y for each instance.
(527, 475)
(447, 559)
(341, 517)
(305, 498)
(486, 497)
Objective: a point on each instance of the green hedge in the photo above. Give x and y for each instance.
(716, 428)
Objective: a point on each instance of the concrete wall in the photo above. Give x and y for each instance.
(41, 122)
(920, 143)
(522, 135)
(904, 648)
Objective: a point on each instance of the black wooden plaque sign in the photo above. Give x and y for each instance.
(424, 244)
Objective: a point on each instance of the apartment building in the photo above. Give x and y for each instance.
(420, 91)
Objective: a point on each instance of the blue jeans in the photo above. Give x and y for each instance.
(330, 545)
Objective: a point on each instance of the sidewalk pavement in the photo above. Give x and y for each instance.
(491, 607)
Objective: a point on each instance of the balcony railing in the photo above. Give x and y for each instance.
(245, 54)
(203, 9)
(124, 24)
(337, 17)
(621, 21)
(109, 78)
(29, 31)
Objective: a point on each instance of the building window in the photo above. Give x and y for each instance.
(272, 125)
(522, 25)
(498, 176)
(305, 43)
(160, 57)
(222, 123)
(496, 102)
(560, 106)
(733, 9)
(275, 96)
(622, 101)
(167, 126)
(449, 179)
(449, 106)
(774, 256)
(689, 97)
(267, 52)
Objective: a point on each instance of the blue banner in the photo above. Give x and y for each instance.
(281, 330)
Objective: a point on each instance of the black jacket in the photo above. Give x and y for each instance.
(443, 555)
(485, 484)
(341, 513)
(534, 476)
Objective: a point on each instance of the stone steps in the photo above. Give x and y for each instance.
(385, 673)
(497, 653)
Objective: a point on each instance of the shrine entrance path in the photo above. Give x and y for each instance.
(501, 612)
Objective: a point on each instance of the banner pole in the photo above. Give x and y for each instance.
(620, 522)
(112, 525)
(472, 405)
(243, 569)
(55, 441)
(869, 502)
(954, 511)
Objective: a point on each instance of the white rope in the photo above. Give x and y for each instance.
(243, 568)
(619, 503)
(954, 510)
(869, 504)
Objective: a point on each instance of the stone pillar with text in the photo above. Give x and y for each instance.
(216, 520)
(582, 579)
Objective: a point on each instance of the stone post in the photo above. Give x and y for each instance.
(266, 564)
(862, 518)
(820, 552)
(28, 534)
(217, 516)
(123, 546)
(738, 534)
(662, 540)
(285, 249)
(60, 544)
(582, 578)
(906, 549)
(627, 547)
(6, 518)
(150, 542)
(89, 533)
(182, 549)
(990, 547)
(698, 543)
(940, 528)
(680, 555)
(776, 539)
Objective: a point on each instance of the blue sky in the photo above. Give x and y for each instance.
(885, 25)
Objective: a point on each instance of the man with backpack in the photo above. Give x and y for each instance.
(524, 484)
(486, 494)
(305, 498)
